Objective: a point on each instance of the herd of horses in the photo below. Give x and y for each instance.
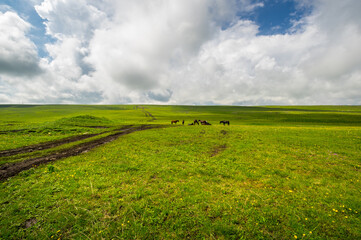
(202, 122)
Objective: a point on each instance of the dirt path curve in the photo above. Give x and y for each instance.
(51, 144)
(12, 169)
(147, 114)
(46, 145)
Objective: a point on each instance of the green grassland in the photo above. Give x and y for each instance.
(290, 172)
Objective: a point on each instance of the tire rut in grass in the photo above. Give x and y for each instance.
(48, 145)
(9, 170)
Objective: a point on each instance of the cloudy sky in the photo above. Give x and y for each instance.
(232, 52)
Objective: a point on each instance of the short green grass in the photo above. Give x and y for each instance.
(275, 173)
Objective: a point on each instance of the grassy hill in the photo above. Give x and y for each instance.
(274, 173)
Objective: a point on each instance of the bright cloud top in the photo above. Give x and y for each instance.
(181, 52)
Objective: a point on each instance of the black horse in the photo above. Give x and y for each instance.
(196, 122)
(224, 122)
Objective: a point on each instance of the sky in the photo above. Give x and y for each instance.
(204, 52)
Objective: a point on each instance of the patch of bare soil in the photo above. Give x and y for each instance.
(224, 132)
(12, 169)
(30, 222)
(218, 149)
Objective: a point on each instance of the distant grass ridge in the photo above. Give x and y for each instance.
(84, 120)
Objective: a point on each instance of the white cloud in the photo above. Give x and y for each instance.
(310, 66)
(183, 52)
(141, 43)
(18, 55)
(75, 19)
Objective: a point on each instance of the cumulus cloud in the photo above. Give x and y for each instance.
(143, 41)
(309, 66)
(18, 55)
(182, 52)
(75, 19)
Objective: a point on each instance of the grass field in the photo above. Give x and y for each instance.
(274, 173)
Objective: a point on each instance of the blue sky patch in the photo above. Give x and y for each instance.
(37, 33)
(277, 16)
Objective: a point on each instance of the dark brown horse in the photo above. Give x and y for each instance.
(174, 121)
(204, 122)
(224, 122)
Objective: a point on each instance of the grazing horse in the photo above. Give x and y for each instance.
(196, 122)
(174, 121)
(204, 122)
(224, 122)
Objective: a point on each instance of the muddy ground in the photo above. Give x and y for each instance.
(46, 145)
(11, 169)
(52, 144)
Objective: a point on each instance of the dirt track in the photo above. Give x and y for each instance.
(51, 144)
(12, 169)
(45, 145)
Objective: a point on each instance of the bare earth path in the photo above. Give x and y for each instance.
(51, 144)
(12, 169)
(46, 145)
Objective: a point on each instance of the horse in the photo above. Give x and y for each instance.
(195, 122)
(174, 121)
(224, 122)
(204, 122)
